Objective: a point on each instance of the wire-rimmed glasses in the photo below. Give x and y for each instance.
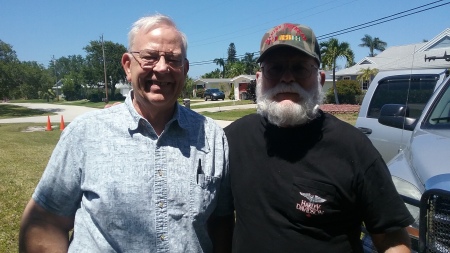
(148, 59)
(300, 70)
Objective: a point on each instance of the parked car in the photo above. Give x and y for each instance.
(214, 94)
(424, 166)
(409, 87)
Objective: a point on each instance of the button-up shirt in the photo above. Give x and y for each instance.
(132, 191)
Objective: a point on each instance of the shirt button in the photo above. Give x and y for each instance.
(163, 238)
(161, 204)
(160, 173)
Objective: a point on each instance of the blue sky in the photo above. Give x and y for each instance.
(38, 30)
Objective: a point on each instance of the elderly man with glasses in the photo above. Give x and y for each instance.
(302, 180)
(142, 176)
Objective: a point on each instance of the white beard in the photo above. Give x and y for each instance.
(289, 114)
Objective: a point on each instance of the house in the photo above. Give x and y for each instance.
(207, 83)
(240, 84)
(403, 57)
(123, 88)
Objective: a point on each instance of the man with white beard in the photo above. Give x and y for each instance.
(303, 180)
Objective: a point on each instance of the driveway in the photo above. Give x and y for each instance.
(69, 112)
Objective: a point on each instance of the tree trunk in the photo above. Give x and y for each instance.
(336, 99)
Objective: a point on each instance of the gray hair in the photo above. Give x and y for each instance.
(151, 22)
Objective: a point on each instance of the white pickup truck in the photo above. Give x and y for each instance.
(421, 171)
(408, 87)
(406, 115)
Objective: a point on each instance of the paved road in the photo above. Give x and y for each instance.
(69, 112)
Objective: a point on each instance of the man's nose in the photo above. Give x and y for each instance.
(161, 65)
(287, 76)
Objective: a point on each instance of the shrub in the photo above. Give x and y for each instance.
(231, 96)
(200, 93)
(348, 91)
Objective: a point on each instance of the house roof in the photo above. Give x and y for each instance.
(248, 77)
(406, 57)
(213, 80)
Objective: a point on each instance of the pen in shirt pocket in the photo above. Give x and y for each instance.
(200, 173)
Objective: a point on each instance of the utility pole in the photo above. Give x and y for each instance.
(56, 78)
(104, 70)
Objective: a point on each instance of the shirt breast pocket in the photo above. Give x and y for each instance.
(313, 202)
(203, 195)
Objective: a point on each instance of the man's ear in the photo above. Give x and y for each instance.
(322, 78)
(126, 62)
(186, 66)
(258, 75)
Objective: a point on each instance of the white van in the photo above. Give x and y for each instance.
(408, 87)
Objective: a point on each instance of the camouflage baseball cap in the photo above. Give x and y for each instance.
(292, 35)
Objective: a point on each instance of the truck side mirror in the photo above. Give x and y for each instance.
(396, 115)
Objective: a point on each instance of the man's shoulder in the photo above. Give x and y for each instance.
(244, 122)
(194, 120)
(101, 118)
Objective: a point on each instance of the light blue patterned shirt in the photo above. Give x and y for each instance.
(131, 191)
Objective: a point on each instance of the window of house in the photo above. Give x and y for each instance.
(365, 85)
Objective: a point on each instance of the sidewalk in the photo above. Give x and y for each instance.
(69, 112)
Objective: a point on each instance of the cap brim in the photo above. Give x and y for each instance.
(263, 55)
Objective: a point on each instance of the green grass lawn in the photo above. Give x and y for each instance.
(24, 155)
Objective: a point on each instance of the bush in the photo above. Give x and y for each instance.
(348, 92)
(231, 96)
(118, 97)
(96, 96)
(200, 93)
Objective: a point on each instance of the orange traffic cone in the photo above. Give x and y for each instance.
(61, 126)
(49, 126)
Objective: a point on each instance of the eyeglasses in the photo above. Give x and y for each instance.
(300, 70)
(148, 59)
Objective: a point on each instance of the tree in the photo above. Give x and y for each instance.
(250, 64)
(366, 74)
(220, 62)
(187, 88)
(213, 74)
(235, 69)
(8, 66)
(332, 50)
(94, 62)
(231, 53)
(373, 44)
(33, 79)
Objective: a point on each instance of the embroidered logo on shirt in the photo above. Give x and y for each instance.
(310, 207)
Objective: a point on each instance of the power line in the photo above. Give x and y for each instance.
(379, 21)
(357, 27)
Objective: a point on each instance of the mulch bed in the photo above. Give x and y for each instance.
(341, 108)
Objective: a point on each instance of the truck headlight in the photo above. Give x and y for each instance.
(407, 189)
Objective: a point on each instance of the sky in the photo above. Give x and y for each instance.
(40, 30)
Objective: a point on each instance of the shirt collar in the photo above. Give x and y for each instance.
(179, 116)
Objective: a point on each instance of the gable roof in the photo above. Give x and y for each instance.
(406, 57)
(246, 77)
(212, 80)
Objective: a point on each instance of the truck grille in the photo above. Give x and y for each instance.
(435, 222)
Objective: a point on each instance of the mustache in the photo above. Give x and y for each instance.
(285, 88)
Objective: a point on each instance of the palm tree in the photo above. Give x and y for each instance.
(250, 64)
(220, 62)
(366, 74)
(332, 50)
(373, 44)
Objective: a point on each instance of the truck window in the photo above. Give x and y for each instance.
(411, 90)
